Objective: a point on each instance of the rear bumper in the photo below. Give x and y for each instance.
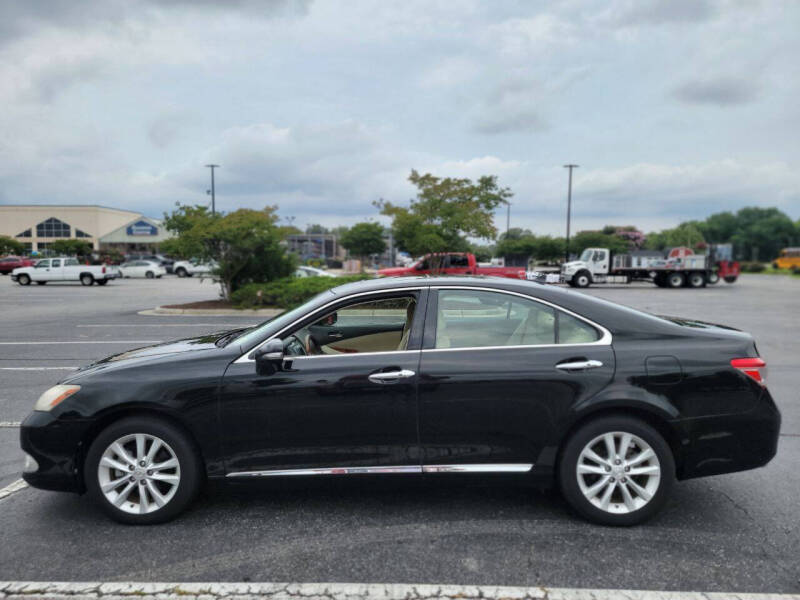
(55, 445)
(730, 443)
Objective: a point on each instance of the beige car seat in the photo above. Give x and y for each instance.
(403, 345)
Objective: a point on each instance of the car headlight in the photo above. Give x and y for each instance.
(54, 396)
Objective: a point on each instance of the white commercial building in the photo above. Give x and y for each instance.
(39, 225)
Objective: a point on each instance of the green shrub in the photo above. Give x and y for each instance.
(752, 267)
(288, 292)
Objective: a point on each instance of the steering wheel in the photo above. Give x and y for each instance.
(295, 345)
(311, 346)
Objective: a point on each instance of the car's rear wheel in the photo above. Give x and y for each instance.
(181, 272)
(23, 279)
(713, 277)
(87, 279)
(142, 470)
(149, 274)
(616, 471)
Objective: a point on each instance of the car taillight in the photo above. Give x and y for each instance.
(754, 368)
(104, 269)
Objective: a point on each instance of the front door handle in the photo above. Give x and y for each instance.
(391, 376)
(579, 365)
(335, 334)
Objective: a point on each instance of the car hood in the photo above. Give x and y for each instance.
(211, 341)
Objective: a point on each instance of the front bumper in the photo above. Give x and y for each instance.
(56, 447)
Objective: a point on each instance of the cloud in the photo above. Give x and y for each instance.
(631, 13)
(720, 91)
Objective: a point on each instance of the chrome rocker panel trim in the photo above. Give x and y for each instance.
(477, 468)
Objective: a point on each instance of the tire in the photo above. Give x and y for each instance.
(775, 266)
(713, 278)
(675, 280)
(87, 279)
(177, 494)
(655, 485)
(149, 275)
(24, 279)
(181, 272)
(101, 281)
(581, 279)
(697, 280)
(731, 279)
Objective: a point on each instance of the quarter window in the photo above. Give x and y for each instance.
(25, 234)
(475, 319)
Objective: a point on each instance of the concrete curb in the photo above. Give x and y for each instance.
(160, 311)
(340, 591)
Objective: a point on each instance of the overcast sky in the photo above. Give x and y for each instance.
(673, 109)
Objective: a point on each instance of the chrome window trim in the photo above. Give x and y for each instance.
(389, 470)
(605, 338)
(245, 359)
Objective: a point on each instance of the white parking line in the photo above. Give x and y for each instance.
(12, 488)
(82, 342)
(10, 424)
(14, 590)
(38, 368)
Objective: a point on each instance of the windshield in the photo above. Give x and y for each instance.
(251, 336)
(586, 255)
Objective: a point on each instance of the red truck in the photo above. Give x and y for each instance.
(453, 263)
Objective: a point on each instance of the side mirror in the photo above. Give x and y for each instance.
(269, 357)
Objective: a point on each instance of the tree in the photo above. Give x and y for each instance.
(245, 244)
(444, 214)
(315, 228)
(685, 234)
(597, 239)
(70, 247)
(10, 245)
(363, 239)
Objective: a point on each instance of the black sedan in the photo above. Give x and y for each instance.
(415, 377)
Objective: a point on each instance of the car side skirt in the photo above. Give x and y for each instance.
(391, 470)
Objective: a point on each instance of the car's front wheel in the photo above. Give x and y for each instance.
(181, 272)
(24, 279)
(616, 471)
(142, 470)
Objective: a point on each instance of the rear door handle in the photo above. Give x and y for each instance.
(335, 334)
(390, 376)
(579, 365)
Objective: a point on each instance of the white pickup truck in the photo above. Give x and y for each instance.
(188, 268)
(63, 269)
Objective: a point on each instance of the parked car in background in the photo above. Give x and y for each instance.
(142, 268)
(9, 263)
(305, 271)
(187, 268)
(453, 263)
(416, 377)
(164, 261)
(63, 268)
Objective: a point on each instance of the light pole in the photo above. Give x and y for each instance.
(213, 191)
(569, 208)
(508, 217)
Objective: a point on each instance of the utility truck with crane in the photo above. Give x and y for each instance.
(681, 267)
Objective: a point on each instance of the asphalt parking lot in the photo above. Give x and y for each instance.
(734, 532)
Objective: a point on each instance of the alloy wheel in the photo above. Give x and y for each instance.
(618, 472)
(139, 473)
